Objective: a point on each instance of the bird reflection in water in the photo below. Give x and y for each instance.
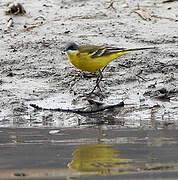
(98, 158)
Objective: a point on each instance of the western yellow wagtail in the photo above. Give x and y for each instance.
(93, 58)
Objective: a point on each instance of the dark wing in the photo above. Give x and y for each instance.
(89, 48)
(100, 51)
(105, 51)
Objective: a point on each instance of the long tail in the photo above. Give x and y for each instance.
(105, 51)
(137, 49)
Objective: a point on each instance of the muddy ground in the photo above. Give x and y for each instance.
(35, 70)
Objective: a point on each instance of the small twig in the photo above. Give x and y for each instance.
(145, 15)
(30, 27)
(40, 17)
(79, 111)
(121, 65)
(161, 17)
(111, 5)
(96, 103)
(9, 24)
(169, 1)
(140, 77)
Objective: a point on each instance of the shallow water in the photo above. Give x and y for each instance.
(91, 153)
(137, 141)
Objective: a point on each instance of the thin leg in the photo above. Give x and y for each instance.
(104, 68)
(98, 81)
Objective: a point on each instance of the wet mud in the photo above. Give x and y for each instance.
(35, 70)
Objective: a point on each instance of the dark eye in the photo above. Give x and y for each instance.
(71, 46)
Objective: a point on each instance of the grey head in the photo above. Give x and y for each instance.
(71, 46)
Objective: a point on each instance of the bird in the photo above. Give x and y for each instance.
(93, 58)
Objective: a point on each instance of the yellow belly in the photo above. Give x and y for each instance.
(86, 63)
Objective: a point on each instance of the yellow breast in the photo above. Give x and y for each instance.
(84, 62)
